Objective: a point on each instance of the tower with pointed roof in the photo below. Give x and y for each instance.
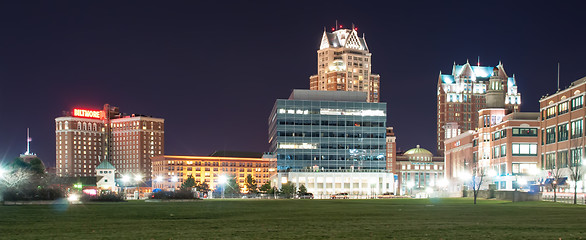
(468, 89)
(344, 64)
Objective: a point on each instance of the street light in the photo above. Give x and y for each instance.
(410, 186)
(223, 180)
(138, 179)
(125, 180)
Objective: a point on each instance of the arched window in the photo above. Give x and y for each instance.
(84, 126)
(60, 125)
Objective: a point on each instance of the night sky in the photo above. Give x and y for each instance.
(214, 71)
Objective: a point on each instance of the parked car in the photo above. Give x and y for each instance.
(306, 196)
(340, 196)
(387, 195)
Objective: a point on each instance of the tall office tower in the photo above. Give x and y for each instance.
(85, 138)
(461, 94)
(344, 64)
(329, 131)
(330, 142)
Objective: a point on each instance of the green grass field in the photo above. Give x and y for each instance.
(304, 219)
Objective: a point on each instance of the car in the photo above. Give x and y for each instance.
(387, 195)
(340, 196)
(306, 196)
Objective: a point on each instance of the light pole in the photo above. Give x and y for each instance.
(174, 180)
(138, 179)
(222, 180)
(125, 181)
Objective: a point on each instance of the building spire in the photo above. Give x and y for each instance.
(478, 63)
(28, 142)
(558, 76)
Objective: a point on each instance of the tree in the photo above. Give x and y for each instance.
(188, 184)
(251, 184)
(265, 188)
(576, 167)
(478, 175)
(37, 166)
(556, 175)
(288, 189)
(302, 190)
(202, 187)
(232, 187)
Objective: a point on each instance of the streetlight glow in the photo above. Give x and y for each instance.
(137, 177)
(223, 179)
(125, 179)
(159, 179)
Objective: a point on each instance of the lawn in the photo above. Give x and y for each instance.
(303, 219)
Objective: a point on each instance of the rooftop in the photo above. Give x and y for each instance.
(315, 95)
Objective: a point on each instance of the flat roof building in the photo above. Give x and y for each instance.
(84, 138)
(561, 134)
(170, 171)
(330, 142)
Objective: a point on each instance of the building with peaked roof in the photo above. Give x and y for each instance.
(344, 63)
(106, 176)
(461, 94)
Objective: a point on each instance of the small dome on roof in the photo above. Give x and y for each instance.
(419, 154)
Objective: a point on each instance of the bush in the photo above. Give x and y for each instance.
(181, 194)
(110, 197)
(29, 194)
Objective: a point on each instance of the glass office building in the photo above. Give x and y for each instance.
(328, 131)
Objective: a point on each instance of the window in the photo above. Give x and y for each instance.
(525, 132)
(563, 108)
(524, 149)
(550, 161)
(495, 152)
(550, 135)
(576, 128)
(577, 103)
(504, 133)
(550, 112)
(503, 150)
(562, 159)
(562, 132)
(576, 157)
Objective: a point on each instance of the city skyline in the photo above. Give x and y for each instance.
(214, 77)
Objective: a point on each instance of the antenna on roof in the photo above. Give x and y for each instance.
(336, 24)
(558, 76)
(478, 61)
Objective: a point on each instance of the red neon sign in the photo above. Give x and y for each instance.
(87, 113)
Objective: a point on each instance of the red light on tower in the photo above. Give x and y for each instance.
(87, 113)
(355, 29)
(333, 29)
(340, 26)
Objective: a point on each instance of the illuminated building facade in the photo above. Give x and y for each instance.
(169, 172)
(391, 149)
(85, 138)
(462, 94)
(561, 132)
(330, 141)
(344, 63)
(419, 173)
(503, 147)
(328, 131)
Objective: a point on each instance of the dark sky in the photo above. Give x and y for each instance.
(214, 71)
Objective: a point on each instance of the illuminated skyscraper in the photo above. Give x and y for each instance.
(344, 64)
(462, 94)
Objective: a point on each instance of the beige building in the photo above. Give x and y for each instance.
(87, 137)
(344, 63)
(419, 173)
(461, 94)
(169, 172)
